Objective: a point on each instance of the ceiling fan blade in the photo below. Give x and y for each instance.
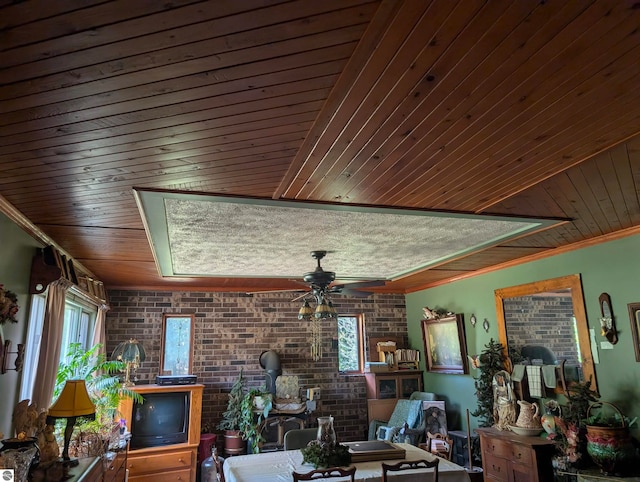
(292, 290)
(362, 284)
(354, 293)
(300, 297)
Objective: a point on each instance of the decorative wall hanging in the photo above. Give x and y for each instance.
(473, 320)
(634, 316)
(607, 320)
(445, 345)
(485, 325)
(8, 306)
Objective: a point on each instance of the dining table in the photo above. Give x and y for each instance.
(278, 467)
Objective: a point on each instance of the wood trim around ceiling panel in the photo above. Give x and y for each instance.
(36, 233)
(623, 233)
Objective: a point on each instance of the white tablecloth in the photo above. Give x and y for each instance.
(278, 466)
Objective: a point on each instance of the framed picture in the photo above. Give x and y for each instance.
(435, 417)
(444, 344)
(176, 356)
(634, 316)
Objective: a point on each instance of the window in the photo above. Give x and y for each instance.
(79, 322)
(32, 346)
(350, 343)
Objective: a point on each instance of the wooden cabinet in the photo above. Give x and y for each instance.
(385, 388)
(507, 457)
(115, 466)
(398, 384)
(162, 464)
(175, 462)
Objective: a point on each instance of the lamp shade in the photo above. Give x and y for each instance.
(129, 351)
(74, 401)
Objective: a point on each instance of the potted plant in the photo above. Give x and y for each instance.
(609, 442)
(255, 408)
(230, 422)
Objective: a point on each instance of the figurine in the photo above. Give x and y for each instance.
(504, 402)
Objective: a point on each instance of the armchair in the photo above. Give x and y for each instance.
(406, 422)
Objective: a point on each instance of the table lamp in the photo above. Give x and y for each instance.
(72, 403)
(132, 353)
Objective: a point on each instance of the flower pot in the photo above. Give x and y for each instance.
(611, 448)
(233, 443)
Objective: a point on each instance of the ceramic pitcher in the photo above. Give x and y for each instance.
(528, 417)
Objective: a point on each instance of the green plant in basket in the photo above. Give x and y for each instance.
(322, 455)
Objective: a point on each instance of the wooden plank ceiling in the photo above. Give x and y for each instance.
(510, 107)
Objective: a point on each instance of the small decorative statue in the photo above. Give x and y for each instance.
(504, 401)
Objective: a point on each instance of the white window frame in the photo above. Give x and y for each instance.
(359, 335)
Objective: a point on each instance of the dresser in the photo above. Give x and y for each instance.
(508, 457)
(115, 465)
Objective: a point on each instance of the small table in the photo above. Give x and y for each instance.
(278, 466)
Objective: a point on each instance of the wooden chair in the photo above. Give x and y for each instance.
(411, 464)
(299, 438)
(327, 473)
(440, 445)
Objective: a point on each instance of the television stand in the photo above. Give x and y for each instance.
(167, 462)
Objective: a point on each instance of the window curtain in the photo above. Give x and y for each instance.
(99, 332)
(50, 344)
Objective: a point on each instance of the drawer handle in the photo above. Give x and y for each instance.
(497, 469)
(519, 455)
(180, 460)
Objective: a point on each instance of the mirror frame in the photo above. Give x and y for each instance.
(187, 351)
(572, 282)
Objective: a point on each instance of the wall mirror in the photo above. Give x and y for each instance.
(546, 322)
(176, 355)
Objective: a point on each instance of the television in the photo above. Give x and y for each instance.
(162, 419)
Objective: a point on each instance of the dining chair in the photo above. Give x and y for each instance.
(411, 464)
(440, 445)
(299, 438)
(326, 473)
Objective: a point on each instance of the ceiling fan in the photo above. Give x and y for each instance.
(320, 282)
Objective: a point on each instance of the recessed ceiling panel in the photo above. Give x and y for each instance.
(216, 236)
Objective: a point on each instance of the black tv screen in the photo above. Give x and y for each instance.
(163, 419)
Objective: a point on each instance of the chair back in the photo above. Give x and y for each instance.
(409, 465)
(327, 473)
(440, 445)
(299, 438)
(424, 396)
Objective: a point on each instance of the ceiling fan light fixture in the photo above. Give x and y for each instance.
(305, 312)
(324, 309)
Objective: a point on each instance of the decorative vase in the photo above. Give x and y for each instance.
(548, 419)
(326, 433)
(17, 443)
(19, 460)
(611, 448)
(528, 417)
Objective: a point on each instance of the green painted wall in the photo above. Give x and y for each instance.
(16, 251)
(612, 267)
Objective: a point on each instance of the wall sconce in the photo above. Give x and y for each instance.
(132, 354)
(5, 351)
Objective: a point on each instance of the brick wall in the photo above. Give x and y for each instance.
(233, 329)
